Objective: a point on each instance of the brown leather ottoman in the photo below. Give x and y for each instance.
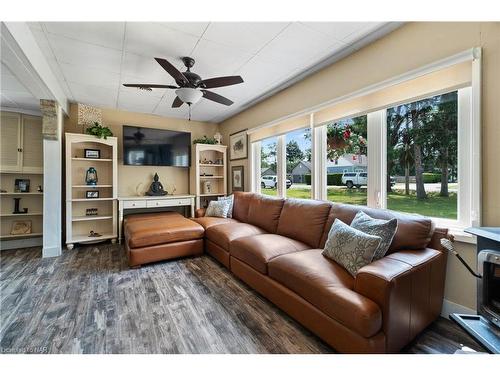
(160, 236)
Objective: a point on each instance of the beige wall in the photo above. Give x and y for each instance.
(407, 48)
(130, 176)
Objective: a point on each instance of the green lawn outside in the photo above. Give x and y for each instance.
(434, 205)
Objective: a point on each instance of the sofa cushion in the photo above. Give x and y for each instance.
(349, 247)
(304, 220)
(207, 221)
(385, 229)
(161, 229)
(414, 231)
(218, 209)
(265, 212)
(223, 234)
(257, 251)
(328, 287)
(241, 205)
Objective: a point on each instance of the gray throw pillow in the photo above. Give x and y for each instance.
(349, 247)
(385, 229)
(229, 198)
(217, 209)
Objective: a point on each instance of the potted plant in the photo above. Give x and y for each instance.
(99, 131)
(205, 140)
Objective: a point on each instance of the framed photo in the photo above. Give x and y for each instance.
(22, 185)
(91, 153)
(91, 194)
(21, 227)
(238, 178)
(238, 145)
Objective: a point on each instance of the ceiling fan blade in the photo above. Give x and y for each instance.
(172, 70)
(220, 82)
(150, 86)
(177, 102)
(216, 97)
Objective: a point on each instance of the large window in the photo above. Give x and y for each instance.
(422, 163)
(298, 163)
(269, 166)
(347, 161)
(411, 146)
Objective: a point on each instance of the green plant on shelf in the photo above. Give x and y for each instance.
(99, 131)
(205, 140)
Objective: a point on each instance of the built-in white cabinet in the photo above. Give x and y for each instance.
(208, 173)
(21, 163)
(21, 143)
(91, 208)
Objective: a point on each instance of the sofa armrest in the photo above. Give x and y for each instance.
(408, 286)
(199, 212)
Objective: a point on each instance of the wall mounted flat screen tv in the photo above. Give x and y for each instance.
(147, 146)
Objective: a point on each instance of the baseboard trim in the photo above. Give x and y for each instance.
(48, 252)
(20, 243)
(452, 307)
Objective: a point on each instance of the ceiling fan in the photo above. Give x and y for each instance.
(191, 88)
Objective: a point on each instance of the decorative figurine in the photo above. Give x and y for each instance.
(218, 138)
(16, 206)
(91, 176)
(207, 187)
(156, 188)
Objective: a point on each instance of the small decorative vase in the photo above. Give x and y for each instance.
(207, 187)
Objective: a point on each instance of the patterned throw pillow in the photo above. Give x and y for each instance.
(217, 209)
(349, 247)
(229, 198)
(385, 229)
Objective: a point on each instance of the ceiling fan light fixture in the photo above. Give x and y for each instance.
(189, 95)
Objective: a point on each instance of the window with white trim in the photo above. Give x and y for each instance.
(423, 153)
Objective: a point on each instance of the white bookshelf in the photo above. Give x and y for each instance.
(78, 223)
(209, 164)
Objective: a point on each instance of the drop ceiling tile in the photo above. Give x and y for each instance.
(137, 102)
(214, 59)
(6, 102)
(11, 83)
(205, 110)
(43, 43)
(193, 28)
(94, 95)
(367, 28)
(84, 54)
(105, 34)
(22, 99)
(154, 40)
(244, 36)
(295, 46)
(336, 30)
(94, 77)
(35, 25)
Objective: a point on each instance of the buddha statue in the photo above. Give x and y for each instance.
(156, 187)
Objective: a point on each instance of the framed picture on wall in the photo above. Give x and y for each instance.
(238, 145)
(237, 178)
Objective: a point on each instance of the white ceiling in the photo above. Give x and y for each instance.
(13, 94)
(92, 60)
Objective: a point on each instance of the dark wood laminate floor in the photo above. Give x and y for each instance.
(88, 301)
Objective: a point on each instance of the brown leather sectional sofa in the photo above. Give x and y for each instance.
(274, 245)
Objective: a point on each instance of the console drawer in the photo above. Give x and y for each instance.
(134, 204)
(168, 202)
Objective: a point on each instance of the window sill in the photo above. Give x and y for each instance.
(456, 230)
